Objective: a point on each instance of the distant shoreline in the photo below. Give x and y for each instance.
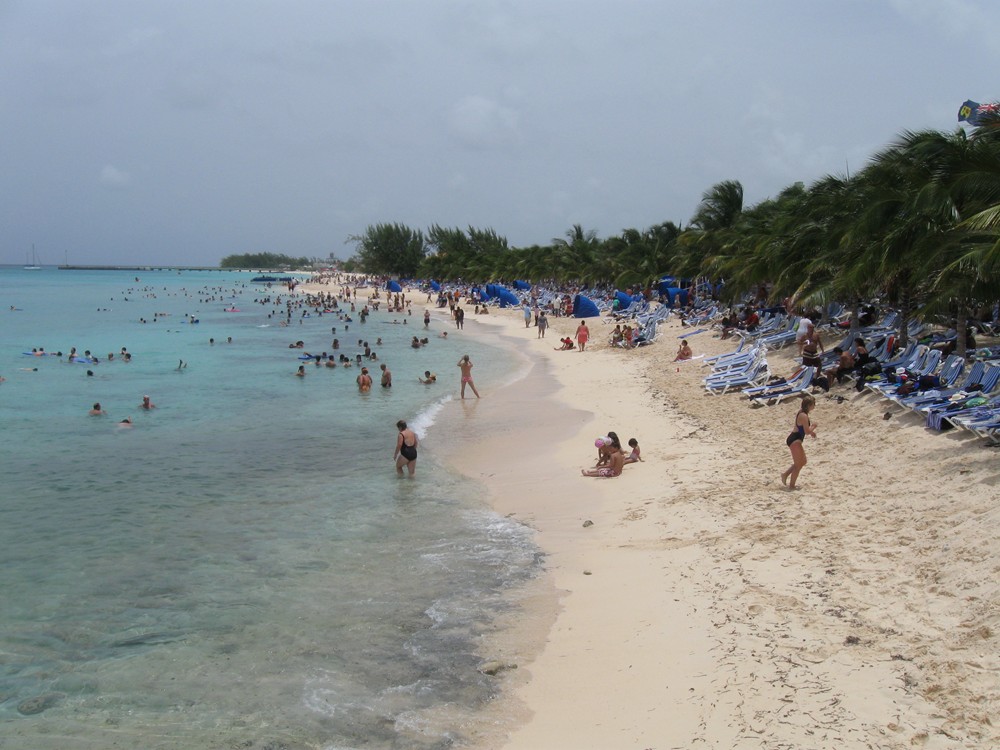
(173, 268)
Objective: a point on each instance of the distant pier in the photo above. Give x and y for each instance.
(173, 268)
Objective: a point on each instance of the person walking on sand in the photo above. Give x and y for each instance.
(582, 335)
(406, 449)
(543, 323)
(466, 365)
(527, 315)
(796, 440)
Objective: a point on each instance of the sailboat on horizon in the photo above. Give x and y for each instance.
(33, 264)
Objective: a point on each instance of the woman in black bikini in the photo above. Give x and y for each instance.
(406, 449)
(796, 439)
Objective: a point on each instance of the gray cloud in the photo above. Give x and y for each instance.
(291, 126)
(113, 178)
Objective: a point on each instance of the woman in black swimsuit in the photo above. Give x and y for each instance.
(795, 442)
(406, 449)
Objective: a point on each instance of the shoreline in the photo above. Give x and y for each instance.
(706, 602)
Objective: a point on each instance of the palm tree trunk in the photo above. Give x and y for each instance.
(904, 318)
(961, 328)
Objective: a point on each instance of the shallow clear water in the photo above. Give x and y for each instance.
(242, 564)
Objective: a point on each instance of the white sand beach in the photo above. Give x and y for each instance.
(707, 605)
(695, 601)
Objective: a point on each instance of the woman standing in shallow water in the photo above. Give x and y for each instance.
(796, 440)
(466, 364)
(406, 449)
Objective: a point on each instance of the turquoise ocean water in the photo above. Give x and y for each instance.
(242, 567)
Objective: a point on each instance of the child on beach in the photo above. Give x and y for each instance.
(796, 440)
(634, 456)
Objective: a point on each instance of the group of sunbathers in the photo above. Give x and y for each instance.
(611, 457)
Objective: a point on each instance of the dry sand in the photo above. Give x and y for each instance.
(708, 606)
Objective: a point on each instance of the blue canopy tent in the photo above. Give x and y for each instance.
(507, 298)
(435, 286)
(484, 294)
(626, 300)
(584, 308)
(393, 286)
(672, 293)
(667, 282)
(522, 286)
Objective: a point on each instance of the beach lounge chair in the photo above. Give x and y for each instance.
(925, 365)
(950, 371)
(909, 360)
(754, 372)
(736, 360)
(715, 357)
(952, 412)
(778, 392)
(946, 375)
(785, 336)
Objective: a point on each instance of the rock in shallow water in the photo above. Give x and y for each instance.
(493, 668)
(38, 704)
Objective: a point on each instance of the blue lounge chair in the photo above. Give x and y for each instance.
(775, 394)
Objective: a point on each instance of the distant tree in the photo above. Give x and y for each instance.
(390, 249)
(264, 260)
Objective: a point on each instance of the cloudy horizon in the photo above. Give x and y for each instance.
(182, 132)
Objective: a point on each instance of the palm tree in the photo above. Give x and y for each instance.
(574, 257)
(712, 226)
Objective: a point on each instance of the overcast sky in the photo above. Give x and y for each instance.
(180, 132)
